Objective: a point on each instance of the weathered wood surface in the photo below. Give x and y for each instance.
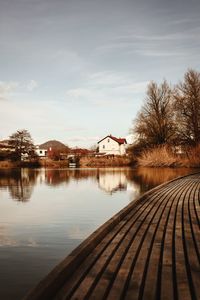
(149, 250)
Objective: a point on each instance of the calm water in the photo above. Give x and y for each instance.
(44, 214)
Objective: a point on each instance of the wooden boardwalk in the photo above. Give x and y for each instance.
(149, 250)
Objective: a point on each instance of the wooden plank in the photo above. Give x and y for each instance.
(152, 288)
(104, 286)
(87, 265)
(183, 287)
(190, 244)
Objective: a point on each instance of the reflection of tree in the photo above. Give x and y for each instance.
(20, 183)
(57, 177)
(148, 178)
(20, 192)
(79, 174)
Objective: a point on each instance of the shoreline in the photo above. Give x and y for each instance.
(86, 162)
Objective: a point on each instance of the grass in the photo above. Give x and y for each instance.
(193, 157)
(117, 161)
(158, 157)
(163, 156)
(5, 164)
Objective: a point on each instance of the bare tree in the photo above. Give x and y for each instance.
(187, 107)
(155, 124)
(22, 142)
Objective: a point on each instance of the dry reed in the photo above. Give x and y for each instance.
(159, 157)
(163, 156)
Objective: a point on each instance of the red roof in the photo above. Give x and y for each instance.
(118, 140)
(80, 151)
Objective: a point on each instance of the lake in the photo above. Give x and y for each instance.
(46, 213)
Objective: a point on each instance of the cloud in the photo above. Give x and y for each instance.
(185, 20)
(106, 88)
(107, 78)
(83, 139)
(158, 44)
(7, 88)
(79, 232)
(7, 239)
(158, 53)
(79, 92)
(32, 84)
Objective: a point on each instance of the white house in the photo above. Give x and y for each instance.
(111, 145)
(40, 152)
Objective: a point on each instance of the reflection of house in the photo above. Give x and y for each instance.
(134, 189)
(112, 181)
(40, 152)
(112, 145)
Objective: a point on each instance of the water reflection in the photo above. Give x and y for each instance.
(112, 181)
(21, 182)
(149, 178)
(55, 177)
(64, 207)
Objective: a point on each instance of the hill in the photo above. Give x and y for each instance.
(55, 145)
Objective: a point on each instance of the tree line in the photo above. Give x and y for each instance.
(23, 147)
(170, 115)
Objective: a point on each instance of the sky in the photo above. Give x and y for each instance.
(77, 70)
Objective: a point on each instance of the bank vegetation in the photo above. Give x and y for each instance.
(167, 128)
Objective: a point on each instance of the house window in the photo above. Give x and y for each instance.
(108, 141)
(40, 151)
(103, 146)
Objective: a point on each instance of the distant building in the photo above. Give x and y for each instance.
(6, 150)
(111, 145)
(4, 146)
(40, 152)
